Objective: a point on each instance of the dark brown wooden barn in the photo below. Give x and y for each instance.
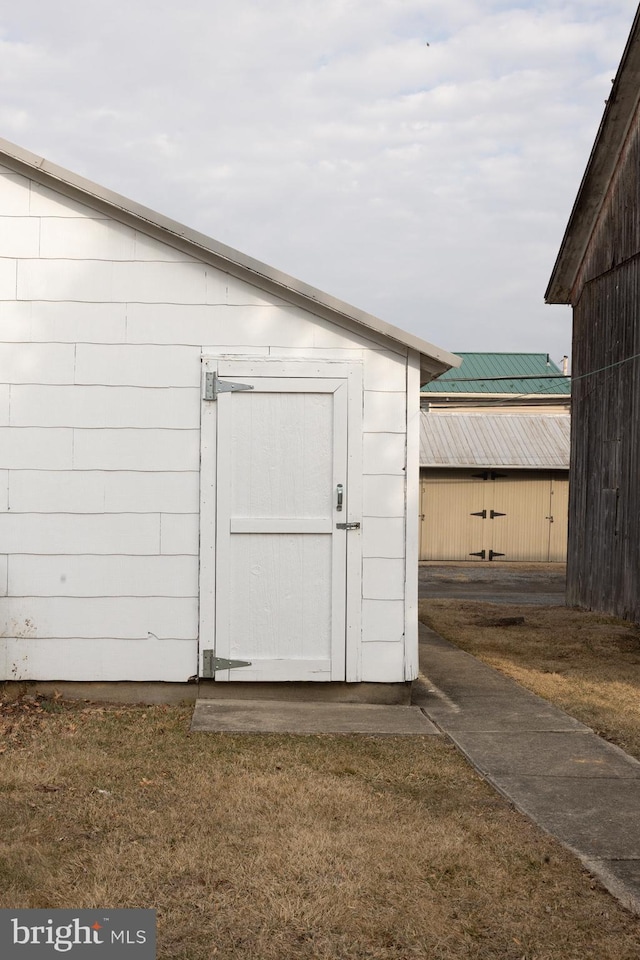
(598, 273)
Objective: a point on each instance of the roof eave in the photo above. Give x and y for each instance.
(434, 360)
(612, 133)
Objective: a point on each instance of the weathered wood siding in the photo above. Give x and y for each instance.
(603, 570)
(102, 329)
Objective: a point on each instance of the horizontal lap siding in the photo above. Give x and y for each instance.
(101, 333)
(99, 446)
(383, 521)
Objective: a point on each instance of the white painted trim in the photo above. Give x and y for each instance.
(412, 510)
(353, 665)
(280, 670)
(344, 380)
(208, 441)
(280, 525)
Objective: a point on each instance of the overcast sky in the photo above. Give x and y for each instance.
(416, 159)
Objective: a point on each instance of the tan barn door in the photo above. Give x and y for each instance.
(493, 515)
(518, 518)
(558, 513)
(452, 521)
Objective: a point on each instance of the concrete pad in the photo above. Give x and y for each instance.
(271, 716)
(596, 818)
(547, 754)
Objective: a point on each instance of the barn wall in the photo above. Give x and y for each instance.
(604, 512)
(101, 333)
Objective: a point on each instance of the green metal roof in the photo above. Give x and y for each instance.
(514, 373)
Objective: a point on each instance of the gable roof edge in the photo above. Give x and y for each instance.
(435, 360)
(617, 118)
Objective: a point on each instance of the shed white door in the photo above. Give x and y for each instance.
(281, 587)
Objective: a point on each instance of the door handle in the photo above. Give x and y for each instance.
(339, 496)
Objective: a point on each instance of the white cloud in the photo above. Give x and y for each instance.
(417, 159)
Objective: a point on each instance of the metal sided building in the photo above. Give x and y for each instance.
(494, 459)
(208, 470)
(598, 272)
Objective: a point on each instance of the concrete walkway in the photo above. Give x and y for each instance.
(572, 783)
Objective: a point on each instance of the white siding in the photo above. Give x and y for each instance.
(130, 617)
(36, 362)
(96, 407)
(383, 620)
(68, 533)
(137, 366)
(179, 533)
(108, 658)
(101, 334)
(98, 491)
(4, 404)
(382, 579)
(383, 537)
(88, 575)
(382, 662)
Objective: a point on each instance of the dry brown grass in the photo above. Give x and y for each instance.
(277, 848)
(585, 663)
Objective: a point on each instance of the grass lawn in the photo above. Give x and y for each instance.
(584, 662)
(275, 848)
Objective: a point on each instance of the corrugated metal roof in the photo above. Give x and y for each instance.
(525, 441)
(477, 370)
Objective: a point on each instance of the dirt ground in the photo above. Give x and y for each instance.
(529, 583)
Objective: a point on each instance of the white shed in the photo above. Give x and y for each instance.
(208, 469)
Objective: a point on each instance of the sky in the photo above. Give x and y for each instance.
(416, 159)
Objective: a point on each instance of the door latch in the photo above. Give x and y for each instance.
(339, 496)
(348, 526)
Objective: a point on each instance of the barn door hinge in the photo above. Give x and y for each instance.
(489, 475)
(213, 385)
(479, 513)
(494, 553)
(496, 513)
(210, 664)
(481, 553)
(348, 526)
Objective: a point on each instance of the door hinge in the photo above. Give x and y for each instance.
(213, 385)
(494, 553)
(480, 513)
(481, 553)
(348, 526)
(496, 513)
(210, 664)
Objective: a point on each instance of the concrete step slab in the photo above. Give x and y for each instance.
(271, 716)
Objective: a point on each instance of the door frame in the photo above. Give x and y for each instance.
(235, 367)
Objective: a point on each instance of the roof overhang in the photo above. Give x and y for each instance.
(433, 360)
(610, 140)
